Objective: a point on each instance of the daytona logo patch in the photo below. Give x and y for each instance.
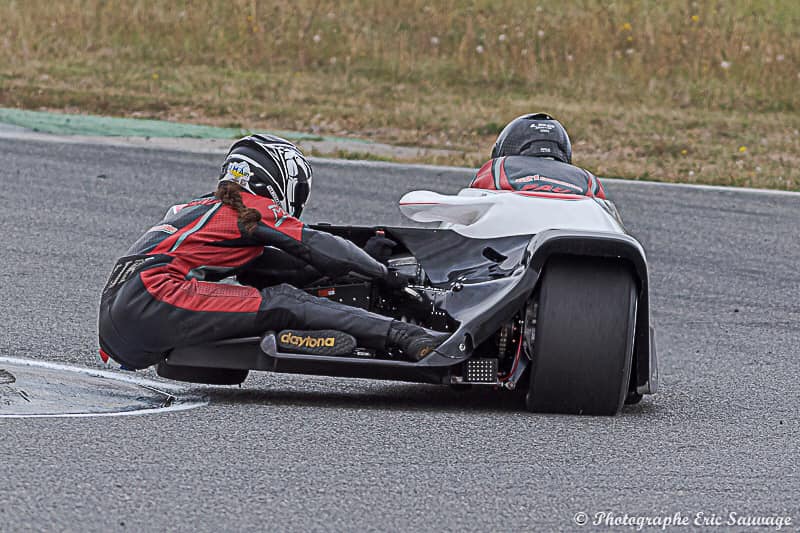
(288, 338)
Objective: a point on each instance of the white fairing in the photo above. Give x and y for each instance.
(484, 214)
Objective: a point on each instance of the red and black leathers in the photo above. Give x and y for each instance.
(537, 175)
(158, 296)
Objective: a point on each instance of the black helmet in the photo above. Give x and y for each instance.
(537, 135)
(272, 167)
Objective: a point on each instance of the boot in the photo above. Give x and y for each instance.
(416, 342)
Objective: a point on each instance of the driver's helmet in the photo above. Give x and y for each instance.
(272, 167)
(537, 135)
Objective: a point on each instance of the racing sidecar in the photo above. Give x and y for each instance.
(540, 291)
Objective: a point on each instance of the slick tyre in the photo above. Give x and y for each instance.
(584, 337)
(197, 374)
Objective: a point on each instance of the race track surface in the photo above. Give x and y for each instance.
(294, 453)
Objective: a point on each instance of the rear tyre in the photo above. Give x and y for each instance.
(583, 345)
(197, 374)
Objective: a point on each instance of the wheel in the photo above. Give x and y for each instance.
(197, 374)
(583, 343)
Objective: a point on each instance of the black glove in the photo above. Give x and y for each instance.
(380, 248)
(396, 281)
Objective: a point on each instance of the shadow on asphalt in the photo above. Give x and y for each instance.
(394, 397)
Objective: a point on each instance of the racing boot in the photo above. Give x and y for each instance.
(415, 341)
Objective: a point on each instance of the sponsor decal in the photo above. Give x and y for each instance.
(124, 269)
(271, 190)
(307, 342)
(547, 188)
(543, 127)
(166, 228)
(527, 179)
(538, 178)
(279, 214)
(239, 173)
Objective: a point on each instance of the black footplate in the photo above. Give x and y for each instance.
(319, 342)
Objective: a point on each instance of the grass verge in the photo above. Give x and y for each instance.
(704, 92)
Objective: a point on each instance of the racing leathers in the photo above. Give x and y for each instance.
(158, 296)
(537, 176)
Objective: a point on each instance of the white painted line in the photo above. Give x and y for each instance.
(94, 372)
(389, 164)
(171, 409)
(196, 146)
(713, 188)
(166, 389)
(624, 182)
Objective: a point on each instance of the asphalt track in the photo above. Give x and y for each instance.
(308, 453)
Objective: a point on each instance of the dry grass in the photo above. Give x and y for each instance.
(705, 91)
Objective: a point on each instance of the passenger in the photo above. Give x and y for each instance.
(164, 293)
(533, 154)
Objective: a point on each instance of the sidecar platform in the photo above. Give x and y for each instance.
(261, 353)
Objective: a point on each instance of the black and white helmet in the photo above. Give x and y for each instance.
(537, 135)
(272, 167)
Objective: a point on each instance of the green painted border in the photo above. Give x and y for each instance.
(66, 124)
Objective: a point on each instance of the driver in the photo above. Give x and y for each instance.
(533, 154)
(164, 293)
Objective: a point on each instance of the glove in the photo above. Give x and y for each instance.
(396, 281)
(380, 248)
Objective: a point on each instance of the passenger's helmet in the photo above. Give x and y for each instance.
(537, 135)
(272, 167)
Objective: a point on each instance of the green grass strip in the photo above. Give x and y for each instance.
(66, 124)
